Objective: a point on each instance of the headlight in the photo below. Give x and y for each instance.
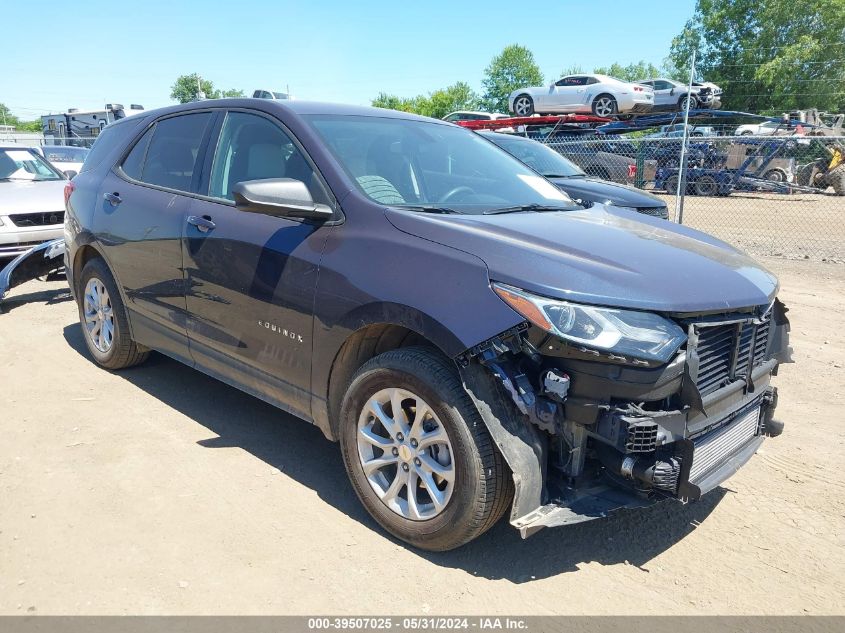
(628, 333)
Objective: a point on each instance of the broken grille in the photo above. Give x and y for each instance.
(727, 352)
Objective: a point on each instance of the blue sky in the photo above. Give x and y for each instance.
(131, 52)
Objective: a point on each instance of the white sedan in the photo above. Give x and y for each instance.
(599, 94)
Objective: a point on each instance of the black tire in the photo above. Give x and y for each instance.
(598, 104)
(807, 174)
(528, 105)
(836, 179)
(483, 487)
(123, 352)
(706, 186)
(776, 175)
(693, 103)
(670, 185)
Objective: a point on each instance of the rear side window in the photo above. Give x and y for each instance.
(167, 155)
(134, 162)
(108, 139)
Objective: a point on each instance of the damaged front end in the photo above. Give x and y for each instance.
(587, 430)
(38, 261)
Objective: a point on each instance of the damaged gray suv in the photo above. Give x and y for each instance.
(477, 343)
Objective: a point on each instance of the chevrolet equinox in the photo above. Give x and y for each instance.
(477, 343)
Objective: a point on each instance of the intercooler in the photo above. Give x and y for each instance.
(714, 447)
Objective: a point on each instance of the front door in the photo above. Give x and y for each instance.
(250, 278)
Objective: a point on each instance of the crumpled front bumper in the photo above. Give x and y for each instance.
(36, 262)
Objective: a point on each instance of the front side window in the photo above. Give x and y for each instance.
(171, 156)
(415, 163)
(254, 148)
(24, 164)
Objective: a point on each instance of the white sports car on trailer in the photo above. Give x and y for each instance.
(598, 94)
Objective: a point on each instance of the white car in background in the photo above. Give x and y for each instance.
(597, 94)
(32, 203)
(471, 115)
(766, 128)
(65, 158)
(672, 95)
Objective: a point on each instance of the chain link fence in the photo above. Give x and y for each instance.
(769, 195)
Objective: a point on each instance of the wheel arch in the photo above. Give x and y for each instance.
(367, 332)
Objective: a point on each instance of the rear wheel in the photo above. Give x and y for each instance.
(671, 185)
(706, 186)
(102, 315)
(523, 105)
(417, 452)
(605, 105)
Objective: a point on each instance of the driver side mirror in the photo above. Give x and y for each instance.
(279, 197)
(671, 92)
(70, 173)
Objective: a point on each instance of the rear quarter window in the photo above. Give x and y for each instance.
(110, 138)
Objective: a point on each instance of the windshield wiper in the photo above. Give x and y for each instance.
(425, 208)
(526, 207)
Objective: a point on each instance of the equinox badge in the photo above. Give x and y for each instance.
(281, 331)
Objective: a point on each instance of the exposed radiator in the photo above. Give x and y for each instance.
(711, 449)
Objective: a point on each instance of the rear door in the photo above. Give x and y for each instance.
(251, 278)
(144, 201)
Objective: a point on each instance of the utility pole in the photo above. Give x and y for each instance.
(682, 180)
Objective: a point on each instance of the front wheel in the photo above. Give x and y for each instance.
(417, 452)
(103, 318)
(682, 103)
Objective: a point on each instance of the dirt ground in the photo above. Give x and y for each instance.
(790, 226)
(160, 491)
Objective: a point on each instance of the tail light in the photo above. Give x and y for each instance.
(638, 89)
(69, 189)
(632, 173)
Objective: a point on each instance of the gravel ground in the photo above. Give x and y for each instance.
(793, 226)
(159, 490)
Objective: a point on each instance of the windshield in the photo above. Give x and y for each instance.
(539, 157)
(401, 162)
(23, 164)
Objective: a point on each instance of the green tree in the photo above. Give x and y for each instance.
(513, 68)
(437, 104)
(768, 55)
(574, 69)
(186, 88)
(638, 71)
(392, 102)
(458, 96)
(6, 116)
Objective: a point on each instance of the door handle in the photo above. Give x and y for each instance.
(112, 198)
(202, 222)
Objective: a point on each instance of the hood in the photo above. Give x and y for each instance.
(595, 190)
(603, 256)
(27, 196)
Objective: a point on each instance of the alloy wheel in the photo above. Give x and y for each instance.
(522, 106)
(99, 316)
(604, 106)
(406, 454)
